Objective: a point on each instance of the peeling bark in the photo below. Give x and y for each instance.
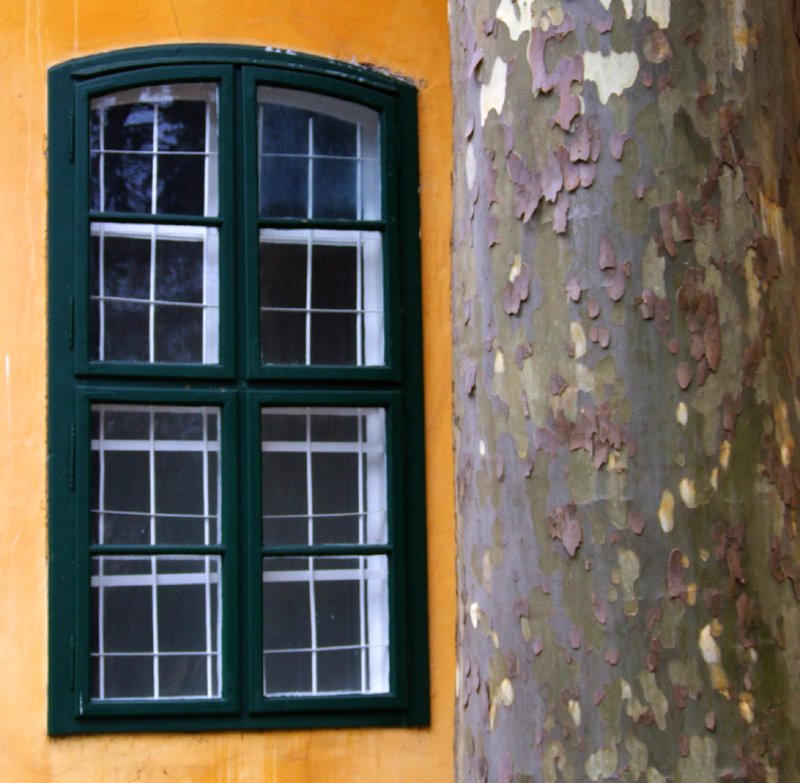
(627, 310)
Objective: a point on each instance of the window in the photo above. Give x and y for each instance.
(235, 411)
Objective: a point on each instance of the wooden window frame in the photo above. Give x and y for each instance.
(239, 385)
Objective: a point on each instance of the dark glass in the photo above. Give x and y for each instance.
(329, 427)
(284, 129)
(178, 334)
(181, 180)
(182, 618)
(128, 182)
(283, 426)
(335, 188)
(128, 619)
(127, 481)
(333, 338)
(339, 670)
(94, 180)
(179, 271)
(128, 676)
(283, 338)
(284, 497)
(333, 136)
(287, 623)
(182, 126)
(283, 187)
(179, 482)
(129, 127)
(126, 267)
(126, 332)
(334, 277)
(338, 613)
(282, 274)
(126, 424)
(186, 425)
(183, 675)
(287, 673)
(121, 528)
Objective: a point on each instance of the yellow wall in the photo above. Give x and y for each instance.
(405, 36)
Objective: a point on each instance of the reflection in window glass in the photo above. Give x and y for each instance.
(318, 157)
(321, 295)
(154, 293)
(153, 150)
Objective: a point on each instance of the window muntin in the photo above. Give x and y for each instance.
(154, 293)
(155, 621)
(326, 625)
(318, 157)
(227, 678)
(321, 297)
(154, 150)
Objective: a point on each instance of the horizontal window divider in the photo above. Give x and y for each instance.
(155, 219)
(320, 550)
(345, 225)
(148, 550)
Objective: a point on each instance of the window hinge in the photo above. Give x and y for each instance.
(72, 136)
(71, 324)
(72, 663)
(72, 456)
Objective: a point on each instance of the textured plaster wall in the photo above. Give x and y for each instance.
(408, 38)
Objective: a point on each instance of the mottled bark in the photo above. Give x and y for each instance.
(626, 299)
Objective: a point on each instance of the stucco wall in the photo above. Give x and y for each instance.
(408, 38)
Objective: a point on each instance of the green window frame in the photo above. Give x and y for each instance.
(250, 408)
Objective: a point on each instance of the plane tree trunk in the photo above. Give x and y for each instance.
(626, 304)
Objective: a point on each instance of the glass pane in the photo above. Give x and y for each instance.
(155, 627)
(321, 296)
(155, 475)
(154, 293)
(323, 476)
(318, 156)
(154, 150)
(326, 625)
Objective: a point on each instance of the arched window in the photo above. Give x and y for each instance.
(235, 409)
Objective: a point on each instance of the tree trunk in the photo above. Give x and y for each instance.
(627, 309)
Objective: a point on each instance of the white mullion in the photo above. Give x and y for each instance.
(359, 174)
(311, 596)
(153, 209)
(101, 287)
(207, 560)
(362, 637)
(360, 357)
(100, 562)
(206, 166)
(151, 309)
(310, 172)
(310, 211)
(154, 167)
(153, 559)
(206, 158)
(309, 257)
(102, 171)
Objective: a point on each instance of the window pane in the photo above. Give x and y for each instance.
(326, 625)
(154, 293)
(323, 476)
(154, 150)
(155, 475)
(155, 627)
(318, 157)
(321, 297)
